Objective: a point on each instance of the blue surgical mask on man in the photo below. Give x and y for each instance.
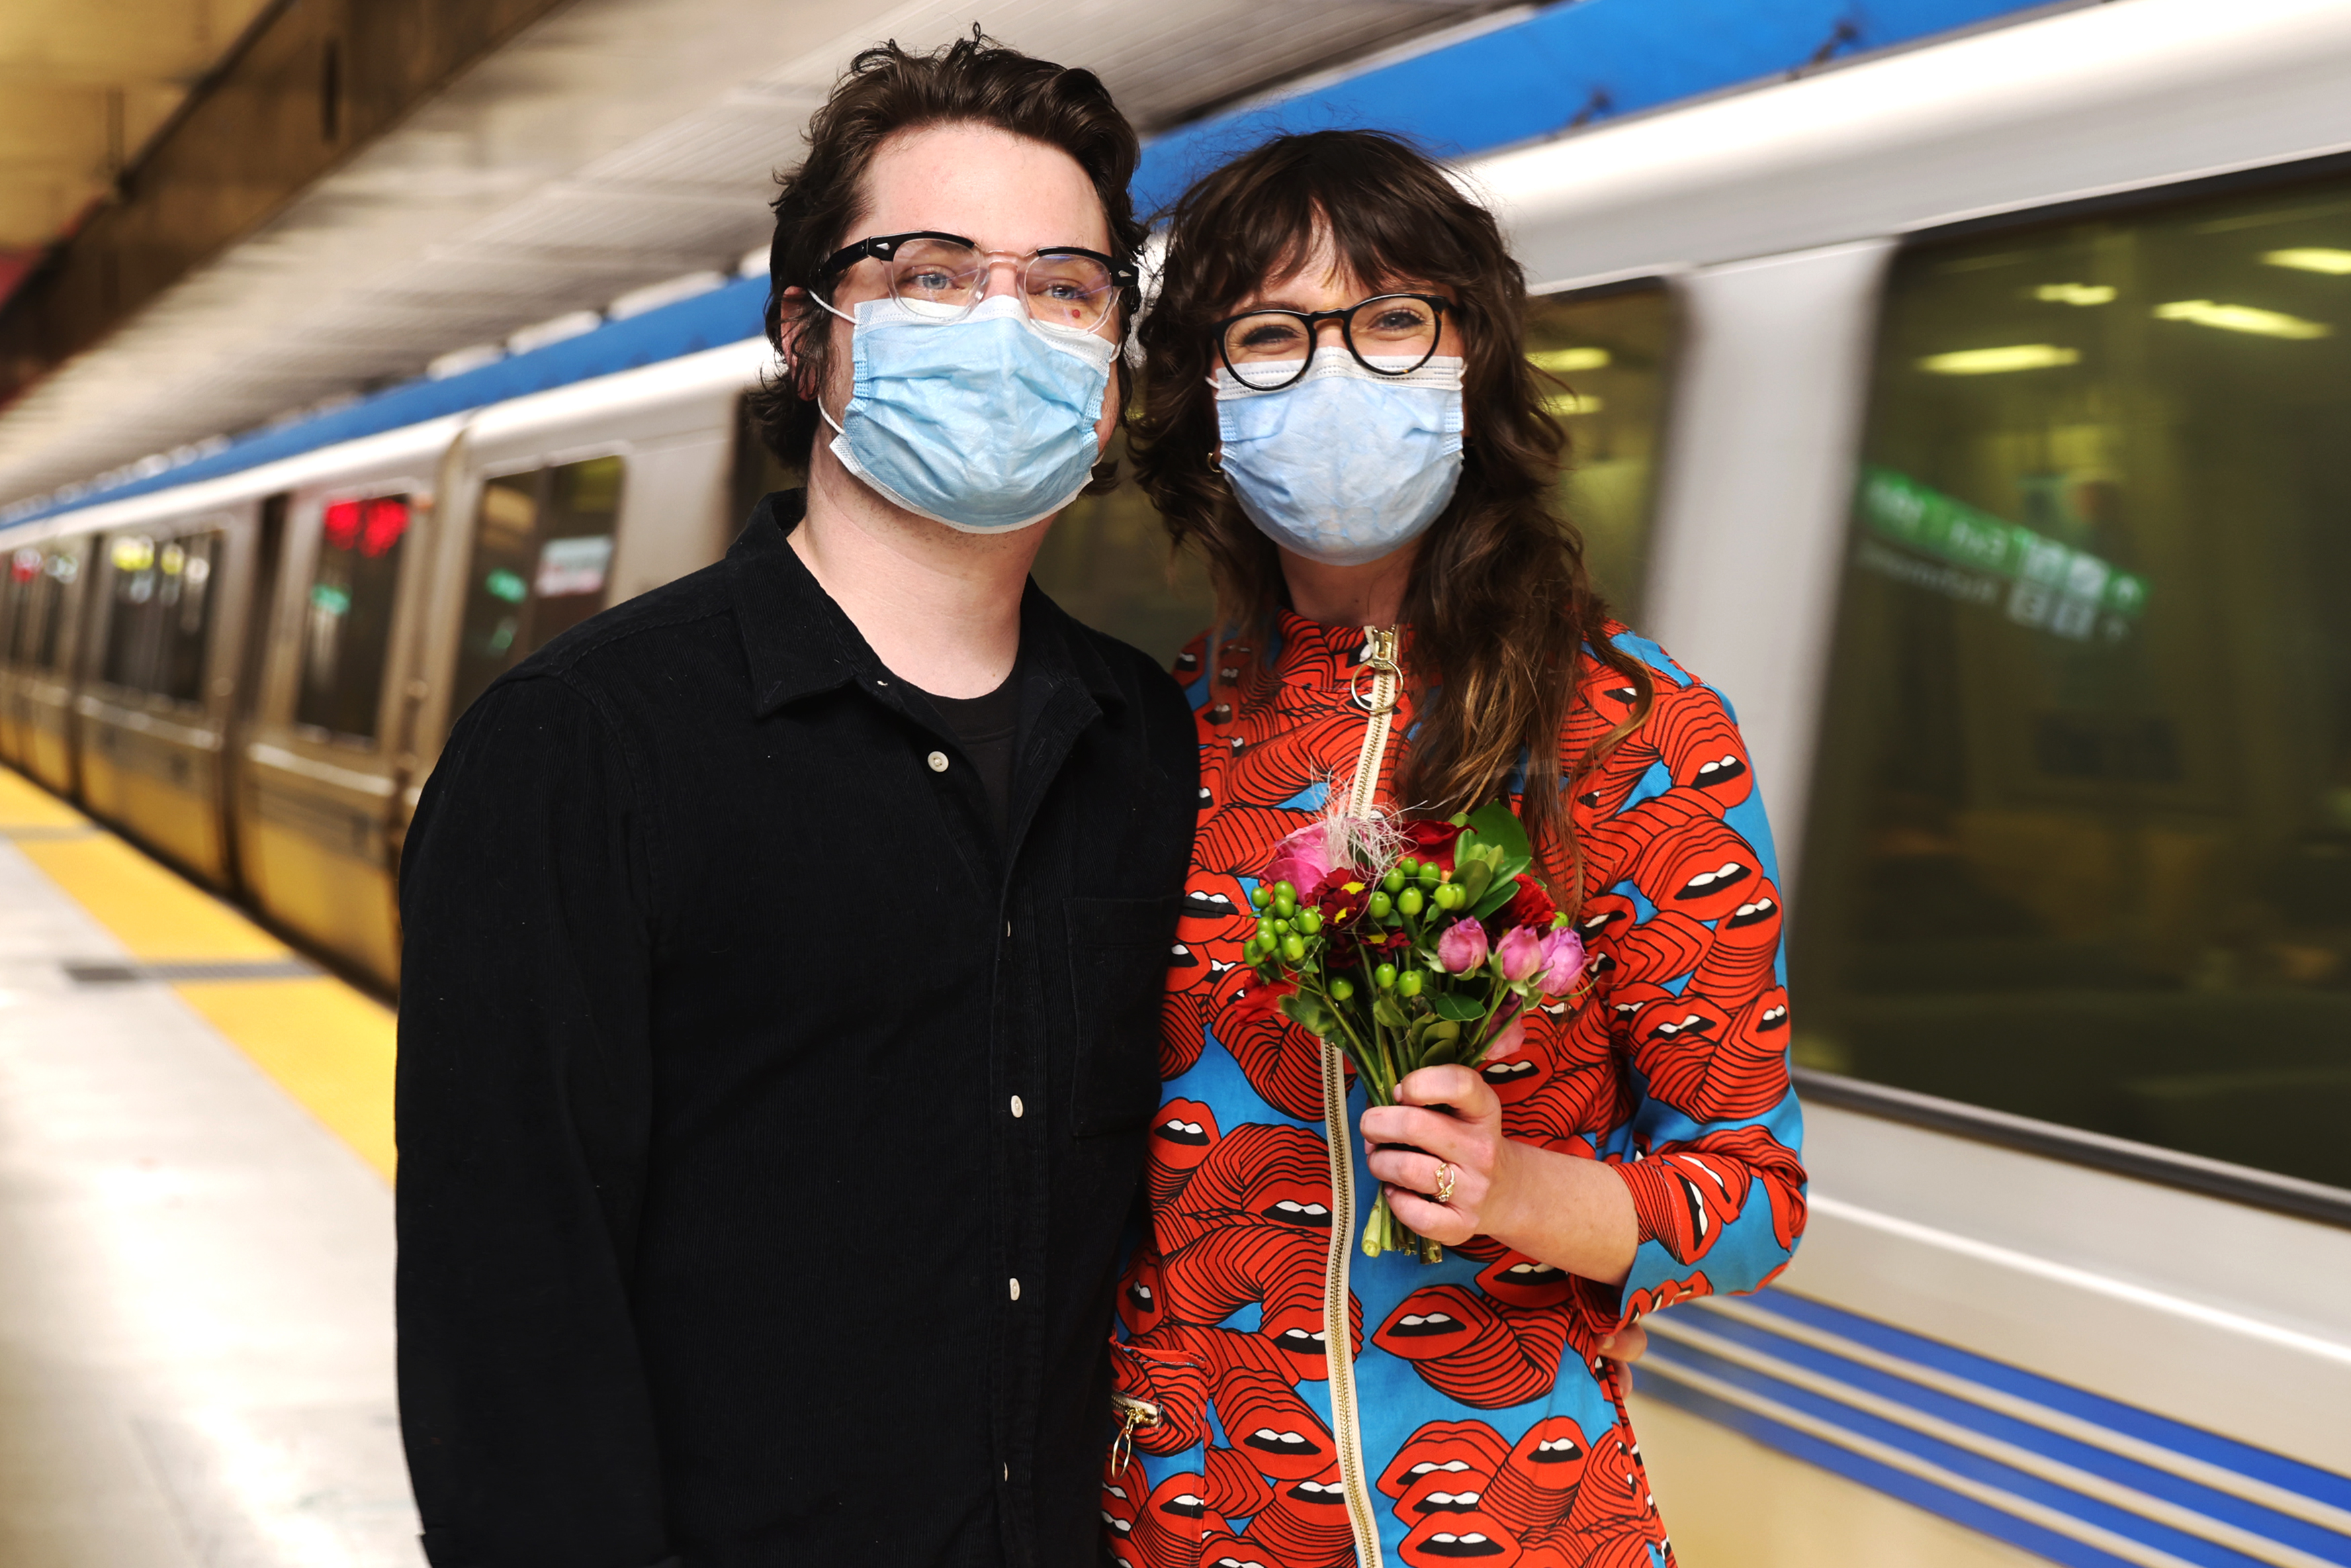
(1345, 465)
(984, 422)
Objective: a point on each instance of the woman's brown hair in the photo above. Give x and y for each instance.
(1499, 601)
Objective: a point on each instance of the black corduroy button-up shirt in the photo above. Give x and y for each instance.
(767, 1120)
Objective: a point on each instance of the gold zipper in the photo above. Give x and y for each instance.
(1380, 650)
(1134, 1414)
(1338, 1345)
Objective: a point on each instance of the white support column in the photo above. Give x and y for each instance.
(1762, 440)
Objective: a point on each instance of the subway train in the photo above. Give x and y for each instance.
(1974, 415)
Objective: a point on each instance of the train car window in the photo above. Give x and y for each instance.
(133, 622)
(60, 569)
(757, 470)
(184, 602)
(24, 580)
(1106, 561)
(542, 558)
(347, 619)
(1602, 355)
(2080, 845)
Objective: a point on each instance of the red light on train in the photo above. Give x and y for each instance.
(383, 522)
(342, 525)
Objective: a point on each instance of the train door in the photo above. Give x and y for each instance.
(50, 666)
(543, 541)
(150, 724)
(318, 764)
(242, 655)
(23, 565)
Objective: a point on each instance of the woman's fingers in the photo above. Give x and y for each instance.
(1433, 1132)
(1416, 1170)
(1469, 1096)
(1442, 1223)
(1627, 1346)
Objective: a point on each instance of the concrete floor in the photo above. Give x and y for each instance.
(195, 1285)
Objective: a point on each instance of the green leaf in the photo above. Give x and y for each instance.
(1386, 1011)
(1474, 877)
(1496, 897)
(1309, 1013)
(1458, 1007)
(1495, 824)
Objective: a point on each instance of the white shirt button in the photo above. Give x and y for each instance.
(1016, 1289)
(1018, 1109)
(938, 762)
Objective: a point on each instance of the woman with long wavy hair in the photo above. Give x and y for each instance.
(1337, 411)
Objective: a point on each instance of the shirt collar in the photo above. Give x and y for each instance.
(799, 642)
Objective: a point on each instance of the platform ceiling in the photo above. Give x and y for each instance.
(612, 145)
(83, 86)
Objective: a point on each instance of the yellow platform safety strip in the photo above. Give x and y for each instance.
(324, 1042)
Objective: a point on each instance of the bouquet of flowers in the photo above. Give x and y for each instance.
(1408, 945)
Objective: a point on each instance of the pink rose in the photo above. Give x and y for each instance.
(1564, 958)
(1521, 952)
(1301, 859)
(1462, 948)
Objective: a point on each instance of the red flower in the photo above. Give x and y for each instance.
(1431, 841)
(1260, 1000)
(1531, 906)
(1342, 896)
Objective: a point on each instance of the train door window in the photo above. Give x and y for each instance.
(184, 601)
(756, 469)
(24, 580)
(1106, 561)
(1601, 357)
(269, 555)
(2079, 846)
(347, 618)
(60, 570)
(542, 559)
(133, 618)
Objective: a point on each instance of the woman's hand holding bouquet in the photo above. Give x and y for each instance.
(1410, 945)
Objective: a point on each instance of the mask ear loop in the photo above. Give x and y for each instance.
(819, 398)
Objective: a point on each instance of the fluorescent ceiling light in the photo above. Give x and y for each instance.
(1567, 405)
(2312, 258)
(2241, 318)
(1992, 361)
(2075, 293)
(1558, 359)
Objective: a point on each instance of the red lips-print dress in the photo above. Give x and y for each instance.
(1296, 1405)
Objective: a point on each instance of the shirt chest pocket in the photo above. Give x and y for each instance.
(1118, 980)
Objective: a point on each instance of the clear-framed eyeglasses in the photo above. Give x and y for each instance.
(1388, 334)
(946, 277)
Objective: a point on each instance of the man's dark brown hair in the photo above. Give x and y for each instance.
(888, 91)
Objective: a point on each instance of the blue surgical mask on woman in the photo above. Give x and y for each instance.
(984, 422)
(1345, 465)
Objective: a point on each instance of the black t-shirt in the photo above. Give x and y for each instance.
(988, 727)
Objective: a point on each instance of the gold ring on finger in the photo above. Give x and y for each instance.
(1443, 1182)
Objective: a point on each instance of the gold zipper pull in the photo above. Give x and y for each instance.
(1132, 1414)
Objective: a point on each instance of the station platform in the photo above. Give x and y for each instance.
(195, 1226)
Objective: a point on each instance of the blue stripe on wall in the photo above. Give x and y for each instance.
(1570, 64)
(2277, 1469)
(2324, 1544)
(1956, 1460)
(1954, 1506)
